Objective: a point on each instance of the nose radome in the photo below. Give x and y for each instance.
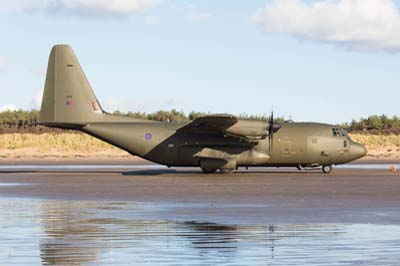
(358, 150)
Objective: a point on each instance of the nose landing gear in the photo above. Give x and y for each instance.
(327, 169)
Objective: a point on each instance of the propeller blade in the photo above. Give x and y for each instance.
(272, 117)
(270, 131)
(272, 128)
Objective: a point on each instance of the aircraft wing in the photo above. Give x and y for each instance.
(248, 130)
(216, 123)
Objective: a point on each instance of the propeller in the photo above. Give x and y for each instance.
(272, 128)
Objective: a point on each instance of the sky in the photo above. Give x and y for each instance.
(327, 60)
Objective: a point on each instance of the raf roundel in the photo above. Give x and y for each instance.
(148, 136)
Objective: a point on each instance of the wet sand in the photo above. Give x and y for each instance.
(57, 232)
(256, 196)
(116, 213)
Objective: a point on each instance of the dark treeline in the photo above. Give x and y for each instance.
(27, 121)
(179, 116)
(375, 124)
(21, 121)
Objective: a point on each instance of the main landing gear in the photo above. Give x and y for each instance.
(208, 171)
(212, 171)
(327, 169)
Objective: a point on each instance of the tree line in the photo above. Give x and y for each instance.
(374, 124)
(28, 121)
(21, 121)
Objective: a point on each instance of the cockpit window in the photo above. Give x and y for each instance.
(345, 134)
(337, 132)
(340, 133)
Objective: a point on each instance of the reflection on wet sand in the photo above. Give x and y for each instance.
(106, 233)
(67, 239)
(83, 232)
(78, 233)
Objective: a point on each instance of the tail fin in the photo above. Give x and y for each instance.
(68, 98)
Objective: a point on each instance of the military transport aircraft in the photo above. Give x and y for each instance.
(213, 142)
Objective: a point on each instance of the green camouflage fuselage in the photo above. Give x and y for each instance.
(295, 144)
(211, 142)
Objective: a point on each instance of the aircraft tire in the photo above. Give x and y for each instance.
(208, 171)
(327, 169)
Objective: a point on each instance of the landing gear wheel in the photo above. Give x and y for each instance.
(208, 171)
(327, 169)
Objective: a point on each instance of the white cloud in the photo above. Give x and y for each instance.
(80, 7)
(194, 13)
(113, 7)
(357, 24)
(10, 107)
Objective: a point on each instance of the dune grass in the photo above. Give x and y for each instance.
(377, 141)
(387, 146)
(55, 145)
(63, 141)
(80, 145)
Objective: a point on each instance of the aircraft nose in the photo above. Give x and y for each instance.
(358, 150)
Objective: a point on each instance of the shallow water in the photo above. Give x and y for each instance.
(368, 166)
(52, 232)
(7, 184)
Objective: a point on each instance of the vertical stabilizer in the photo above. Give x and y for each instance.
(68, 98)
